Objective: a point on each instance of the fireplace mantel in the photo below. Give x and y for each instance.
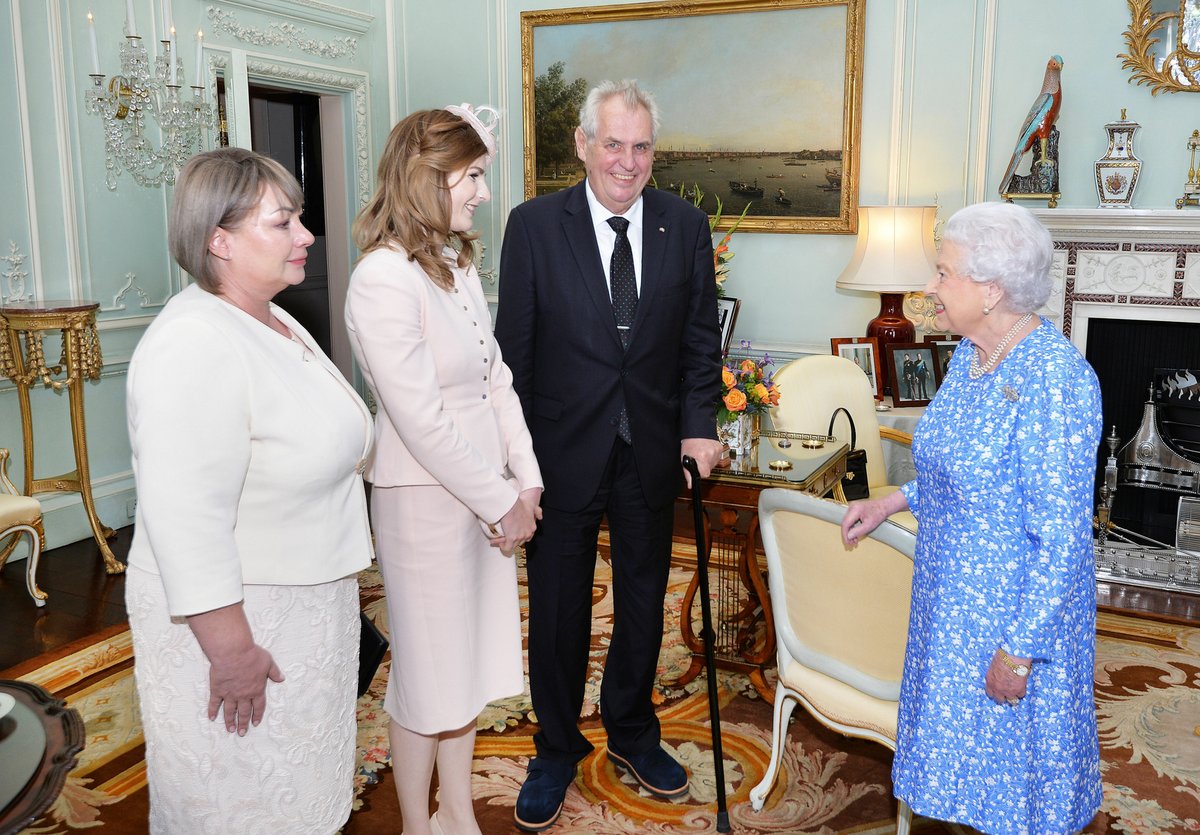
(1122, 224)
(1139, 264)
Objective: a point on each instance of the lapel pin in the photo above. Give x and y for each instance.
(1011, 394)
(660, 229)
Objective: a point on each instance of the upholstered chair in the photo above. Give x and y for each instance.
(841, 621)
(811, 388)
(20, 515)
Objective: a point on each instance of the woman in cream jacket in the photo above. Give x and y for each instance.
(456, 485)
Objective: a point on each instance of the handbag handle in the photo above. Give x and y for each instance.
(849, 417)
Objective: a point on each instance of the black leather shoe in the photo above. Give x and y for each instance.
(654, 770)
(540, 801)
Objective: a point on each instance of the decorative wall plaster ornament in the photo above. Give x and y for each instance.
(1117, 171)
(1191, 275)
(119, 298)
(1125, 273)
(15, 275)
(353, 83)
(281, 34)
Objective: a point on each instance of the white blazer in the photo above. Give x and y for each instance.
(248, 450)
(447, 412)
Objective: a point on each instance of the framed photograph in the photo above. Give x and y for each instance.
(941, 337)
(727, 311)
(942, 354)
(863, 351)
(760, 102)
(912, 373)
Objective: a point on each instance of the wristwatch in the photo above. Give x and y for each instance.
(1019, 669)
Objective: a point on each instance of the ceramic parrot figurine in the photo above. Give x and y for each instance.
(1040, 120)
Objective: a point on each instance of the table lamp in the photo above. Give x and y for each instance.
(894, 255)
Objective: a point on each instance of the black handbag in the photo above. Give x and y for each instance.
(372, 646)
(854, 482)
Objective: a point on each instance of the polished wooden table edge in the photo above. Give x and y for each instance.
(64, 740)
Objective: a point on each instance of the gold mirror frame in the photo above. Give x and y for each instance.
(1142, 36)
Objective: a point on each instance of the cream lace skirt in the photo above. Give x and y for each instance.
(294, 772)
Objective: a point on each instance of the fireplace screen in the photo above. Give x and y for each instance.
(1162, 460)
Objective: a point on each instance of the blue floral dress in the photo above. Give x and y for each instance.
(1003, 495)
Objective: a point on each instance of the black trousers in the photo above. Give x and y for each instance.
(561, 564)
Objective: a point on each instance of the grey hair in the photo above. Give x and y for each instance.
(220, 188)
(1007, 244)
(633, 96)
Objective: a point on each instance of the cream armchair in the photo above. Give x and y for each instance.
(20, 515)
(841, 620)
(811, 388)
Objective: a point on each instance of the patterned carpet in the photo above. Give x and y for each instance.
(1147, 693)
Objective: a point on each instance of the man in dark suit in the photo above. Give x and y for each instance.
(608, 320)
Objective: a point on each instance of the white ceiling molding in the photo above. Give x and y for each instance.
(310, 11)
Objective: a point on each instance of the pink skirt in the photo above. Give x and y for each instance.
(453, 613)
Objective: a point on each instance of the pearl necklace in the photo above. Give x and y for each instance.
(976, 371)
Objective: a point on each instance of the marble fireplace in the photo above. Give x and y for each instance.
(1127, 294)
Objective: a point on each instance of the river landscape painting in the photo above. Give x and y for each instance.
(759, 101)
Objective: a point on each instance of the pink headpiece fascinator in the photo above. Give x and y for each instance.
(483, 119)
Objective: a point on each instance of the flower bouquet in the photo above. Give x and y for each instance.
(747, 391)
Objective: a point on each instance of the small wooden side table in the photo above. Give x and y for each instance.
(742, 619)
(23, 360)
(40, 740)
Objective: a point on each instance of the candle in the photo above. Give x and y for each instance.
(173, 58)
(95, 51)
(168, 17)
(198, 78)
(130, 22)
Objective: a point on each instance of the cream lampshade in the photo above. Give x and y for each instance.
(895, 255)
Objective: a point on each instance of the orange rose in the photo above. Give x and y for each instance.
(735, 401)
(748, 365)
(774, 396)
(761, 393)
(727, 378)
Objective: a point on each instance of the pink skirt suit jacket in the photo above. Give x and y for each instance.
(451, 454)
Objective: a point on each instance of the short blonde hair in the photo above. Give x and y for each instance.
(411, 205)
(220, 188)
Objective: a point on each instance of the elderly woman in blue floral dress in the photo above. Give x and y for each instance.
(997, 725)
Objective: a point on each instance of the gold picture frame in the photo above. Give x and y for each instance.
(770, 139)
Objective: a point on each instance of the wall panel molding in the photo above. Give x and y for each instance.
(66, 156)
(18, 41)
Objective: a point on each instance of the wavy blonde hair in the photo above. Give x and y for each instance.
(411, 205)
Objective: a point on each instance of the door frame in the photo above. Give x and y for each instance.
(345, 148)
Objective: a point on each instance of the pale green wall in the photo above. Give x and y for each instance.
(941, 128)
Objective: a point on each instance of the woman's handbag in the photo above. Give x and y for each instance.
(854, 482)
(372, 646)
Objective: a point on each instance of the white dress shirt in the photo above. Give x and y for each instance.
(606, 237)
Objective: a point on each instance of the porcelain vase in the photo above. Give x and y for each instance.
(740, 434)
(1118, 170)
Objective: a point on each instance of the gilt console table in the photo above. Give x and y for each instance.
(742, 621)
(23, 361)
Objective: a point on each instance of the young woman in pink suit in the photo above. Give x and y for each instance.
(456, 484)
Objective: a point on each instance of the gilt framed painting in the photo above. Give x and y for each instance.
(759, 102)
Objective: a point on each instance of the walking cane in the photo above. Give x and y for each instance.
(714, 709)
